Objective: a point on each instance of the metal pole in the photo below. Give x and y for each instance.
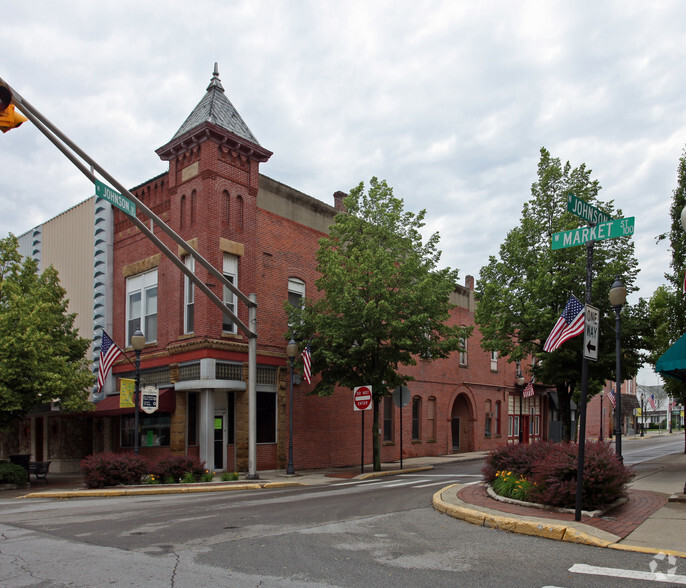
(584, 393)
(643, 414)
(290, 470)
(252, 390)
(521, 432)
(601, 416)
(362, 452)
(618, 385)
(136, 401)
(401, 429)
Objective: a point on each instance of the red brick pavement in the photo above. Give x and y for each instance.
(620, 521)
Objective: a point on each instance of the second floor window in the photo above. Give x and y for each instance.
(189, 298)
(494, 361)
(231, 274)
(141, 306)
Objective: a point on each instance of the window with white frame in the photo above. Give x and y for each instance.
(494, 361)
(189, 298)
(463, 351)
(296, 292)
(231, 274)
(141, 305)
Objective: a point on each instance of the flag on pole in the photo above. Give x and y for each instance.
(651, 401)
(529, 390)
(611, 396)
(307, 363)
(109, 352)
(570, 324)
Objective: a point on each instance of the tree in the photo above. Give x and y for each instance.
(522, 292)
(382, 301)
(42, 357)
(668, 303)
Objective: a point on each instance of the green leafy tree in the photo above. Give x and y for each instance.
(522, 292)
(382, 302)
(668, 303)
(42, 357)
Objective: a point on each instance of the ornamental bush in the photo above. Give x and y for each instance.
(11, 473)
(113, 469)
(175, 467)
(551, 470)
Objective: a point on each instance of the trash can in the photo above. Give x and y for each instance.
(21, 460)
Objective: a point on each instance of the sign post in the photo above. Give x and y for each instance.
(401, 397)
(362, 400)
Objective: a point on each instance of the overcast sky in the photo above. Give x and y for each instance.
(450, 102)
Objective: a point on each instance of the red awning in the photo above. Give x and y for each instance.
(109, 406)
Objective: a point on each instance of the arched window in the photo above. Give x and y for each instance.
(497, 417)
(193, 204)
(416, 417)
(239, 212)
(488, 419)
(227, 205)
(182, 213)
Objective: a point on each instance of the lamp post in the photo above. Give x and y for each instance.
(643, 418)
(291, 352)
(617, 300)
(602, 416)
(520, 381)
(137, 342)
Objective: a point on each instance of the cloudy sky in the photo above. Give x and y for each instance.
(450, 102)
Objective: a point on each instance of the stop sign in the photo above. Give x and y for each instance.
(362, 397)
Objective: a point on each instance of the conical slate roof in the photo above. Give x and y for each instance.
(217, 109)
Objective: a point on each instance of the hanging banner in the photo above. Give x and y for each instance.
(150, 399)
(127, 389)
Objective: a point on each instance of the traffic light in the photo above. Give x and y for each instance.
(9, 118)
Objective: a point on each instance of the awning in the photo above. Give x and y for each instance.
(109, 406)
(673, 361)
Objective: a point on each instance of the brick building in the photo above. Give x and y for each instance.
(263, 236)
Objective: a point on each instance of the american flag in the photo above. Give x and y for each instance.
(611, 396)
(651, 401)
(307, 363)
(529, 390)
(109, 352)
(569, 325)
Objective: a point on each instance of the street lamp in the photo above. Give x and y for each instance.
(617, 300)
(137, 342)
(643, 418)
(291, 352)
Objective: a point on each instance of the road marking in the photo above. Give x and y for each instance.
(442, 476)
(442, 483)
(629, 574)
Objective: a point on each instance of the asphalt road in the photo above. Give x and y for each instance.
(381, 532)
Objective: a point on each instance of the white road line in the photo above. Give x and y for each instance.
(396, 484)
(442, 476)
(442, 483)
(629, 574)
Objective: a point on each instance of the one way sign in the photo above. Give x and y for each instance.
(591, 329)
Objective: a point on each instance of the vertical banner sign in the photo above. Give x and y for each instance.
(127, 388)
(150, 399)
(362, 400)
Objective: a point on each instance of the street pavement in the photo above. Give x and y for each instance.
(652, 520)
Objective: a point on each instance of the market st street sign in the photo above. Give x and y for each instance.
(621, 227)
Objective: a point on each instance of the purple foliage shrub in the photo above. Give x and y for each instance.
(177, 466)
(112, 469)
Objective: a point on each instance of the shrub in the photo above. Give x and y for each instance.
(113, 469)
(518, 459)
(207, 476)
(11, 473)
(229, 476)
(605, 477)
(177, 466)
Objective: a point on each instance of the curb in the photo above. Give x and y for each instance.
(158, 490)
(558, 532)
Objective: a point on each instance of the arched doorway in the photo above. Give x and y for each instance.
(461, 429)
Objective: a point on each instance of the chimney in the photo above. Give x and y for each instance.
(338, 200)
(469, 282)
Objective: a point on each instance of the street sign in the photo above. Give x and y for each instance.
(591, 329)
(621, 227)
(401, 396)
(121, 202)
(584, 210)
(362, 397)
(150, 399)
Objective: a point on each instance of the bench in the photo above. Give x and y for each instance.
(39, 469)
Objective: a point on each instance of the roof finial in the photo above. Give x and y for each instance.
(215, 82)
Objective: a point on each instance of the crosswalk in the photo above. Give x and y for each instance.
(414, 480)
